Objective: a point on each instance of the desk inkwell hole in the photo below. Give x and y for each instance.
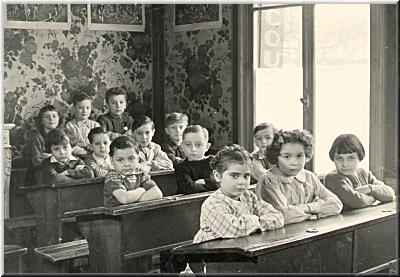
(312, 230)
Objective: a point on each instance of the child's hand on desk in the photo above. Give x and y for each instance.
(145, 167)
(294, 214)
(200, 184)
(128, 133)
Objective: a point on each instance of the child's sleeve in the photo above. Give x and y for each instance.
(84, 172)
(257, 169)
(98, 171)
(161, 160)
(380, 190)
(50, 175)
(115, 190)
(325, 203)
(219, 218)
(72, 133)
(270, 218)
(342, 187)
(36, 145)
(269, 190)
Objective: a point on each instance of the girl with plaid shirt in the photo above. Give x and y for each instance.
(234, 211)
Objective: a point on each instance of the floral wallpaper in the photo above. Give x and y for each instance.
(198, 75)
(49, 66)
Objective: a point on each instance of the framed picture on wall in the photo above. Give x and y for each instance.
(37, 16)
(189, 17)
(116, 17)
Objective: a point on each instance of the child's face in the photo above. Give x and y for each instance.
(234, 180)
(116, 104)
(144, 134)
(101, 145)
(50, 120)
(61, 152)
(82, 109)
(263, 138)
(194, 146)
(175, 131)
(292, 159)
(125, 161)
(346, 164)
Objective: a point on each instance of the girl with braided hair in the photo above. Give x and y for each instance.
(234, 211)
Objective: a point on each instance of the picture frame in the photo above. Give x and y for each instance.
(37, 16)
(116, 17)
(190, 17)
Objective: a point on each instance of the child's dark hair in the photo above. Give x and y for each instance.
(142, 120)
(47, 108)
(115, 91)
(196, 129)
(282, 137)
(231, 153)
(96, 131)
(56, 136)
(122, 142)
(263, 126)
(79, 97)
(347, 144)
(174, 117)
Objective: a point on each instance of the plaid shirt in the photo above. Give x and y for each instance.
(78, 131)
(115, 180)
(153, 153)
(223, 217)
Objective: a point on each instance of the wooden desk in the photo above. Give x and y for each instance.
(351, 242)
(127, 232)
(51, 201)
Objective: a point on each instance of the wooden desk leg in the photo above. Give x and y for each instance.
(105, 246)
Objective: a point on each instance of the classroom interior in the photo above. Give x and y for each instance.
(298, 66)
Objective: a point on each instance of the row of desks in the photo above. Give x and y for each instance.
(51, 201)
(350, 242)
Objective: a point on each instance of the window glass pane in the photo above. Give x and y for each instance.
(342, 48)
(278, 67)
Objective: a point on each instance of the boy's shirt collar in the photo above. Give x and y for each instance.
(70, 158)
(116, 116)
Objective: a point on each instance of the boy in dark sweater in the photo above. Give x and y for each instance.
(194, 173)
(175, 123)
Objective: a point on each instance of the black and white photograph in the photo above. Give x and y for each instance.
(200, 139)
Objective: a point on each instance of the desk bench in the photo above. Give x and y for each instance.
(13, 258)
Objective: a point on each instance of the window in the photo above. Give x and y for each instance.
(311, 70)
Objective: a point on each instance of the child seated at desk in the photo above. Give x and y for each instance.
(263, 134)
(194, 173)
(62, 165)
(175, 123)
(151, 157)
(79, 127)
(116, 121)
(233, 211)
(121, 185)
(99, 161)
(356, 187)
(294, 191)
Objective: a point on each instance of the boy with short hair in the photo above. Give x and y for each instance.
(79, 127)
(99, 161)
(195, 174)
(151, 157)
(116, 121)
(62, 165)
(175, 123)
(121, 185)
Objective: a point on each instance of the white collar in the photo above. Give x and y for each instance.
(70, 158)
